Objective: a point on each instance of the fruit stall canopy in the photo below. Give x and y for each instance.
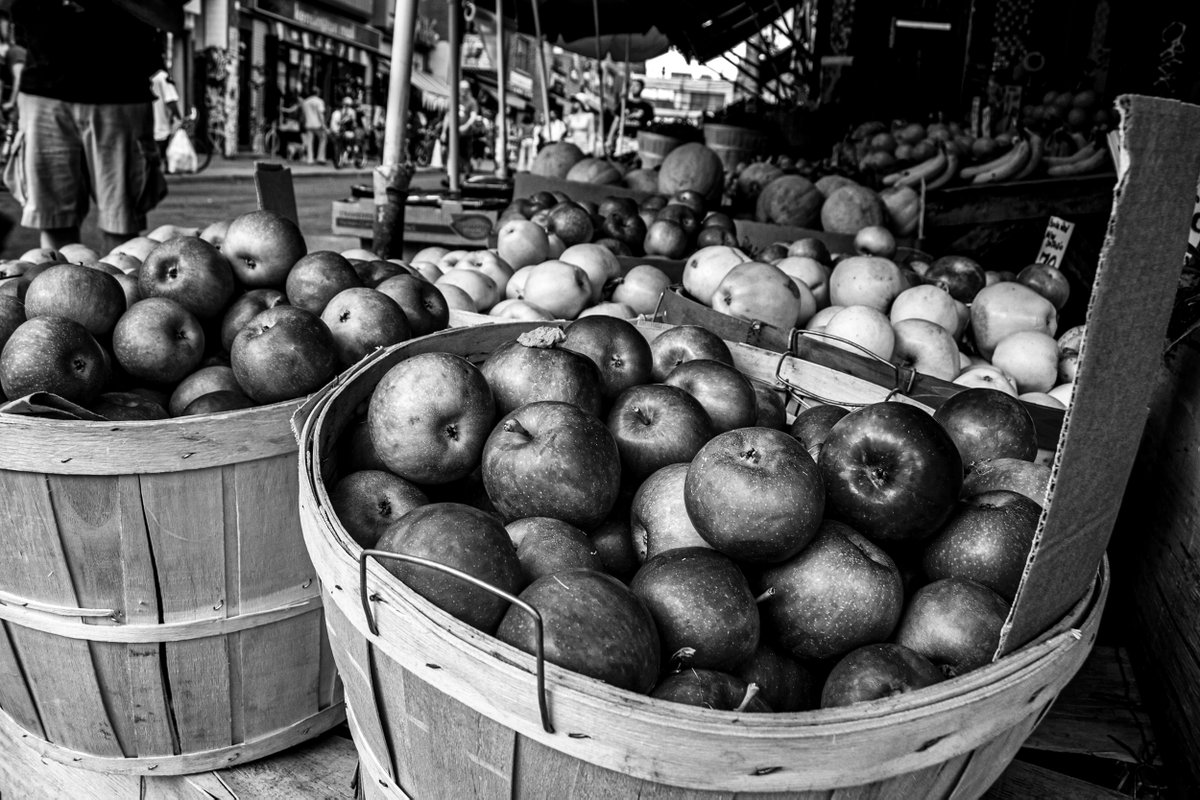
(701, 29)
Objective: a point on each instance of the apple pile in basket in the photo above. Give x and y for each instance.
(188, 322)
(678, 534)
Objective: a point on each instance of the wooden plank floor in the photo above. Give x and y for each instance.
(1096, 744)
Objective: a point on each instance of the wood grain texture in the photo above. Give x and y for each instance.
(182, 444)
(185, 517)
(15, 699)
(633, 736)
(1023, 781)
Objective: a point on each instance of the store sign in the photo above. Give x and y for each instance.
(320, 21)
(1054, 243)
(521, 83)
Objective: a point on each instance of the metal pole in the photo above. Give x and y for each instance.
(541, 66)
(399, 82)
(455, 73)
(392, 177)
(501, 95)
(598, 142)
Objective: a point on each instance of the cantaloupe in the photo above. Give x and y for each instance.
(691, 166)
(642, 180)
(850, 209)
(789, 200)
(555, 160)
(594, 170)
(827, 184)
(753, 179)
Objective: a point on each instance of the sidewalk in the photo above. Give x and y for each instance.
(242, 167)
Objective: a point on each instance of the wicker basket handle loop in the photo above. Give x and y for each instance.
(540, 654)
(903, 383)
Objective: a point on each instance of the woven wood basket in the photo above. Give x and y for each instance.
(441, 710)
(158, 611)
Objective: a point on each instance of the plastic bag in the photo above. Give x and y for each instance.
(181, 156)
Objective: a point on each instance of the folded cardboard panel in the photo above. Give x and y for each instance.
(526, 183)
(1121, 354)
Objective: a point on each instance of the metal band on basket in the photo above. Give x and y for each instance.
(904, 378)
(540, 653)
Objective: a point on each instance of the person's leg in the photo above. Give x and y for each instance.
(45, 171)
(309, 145)
(122, 164)
(322, 146)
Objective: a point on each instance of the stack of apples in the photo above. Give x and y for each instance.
(679, 534)
(189, 321)
(950, 319)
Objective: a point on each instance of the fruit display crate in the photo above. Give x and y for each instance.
(1097, 742)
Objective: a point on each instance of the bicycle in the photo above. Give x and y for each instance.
(201, 141)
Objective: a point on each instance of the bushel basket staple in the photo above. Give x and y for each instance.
(158, 611)
(439, 709)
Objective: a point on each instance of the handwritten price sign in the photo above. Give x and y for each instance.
(1054, 243)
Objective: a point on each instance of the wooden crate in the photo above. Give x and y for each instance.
(158, 612)
(439, 709)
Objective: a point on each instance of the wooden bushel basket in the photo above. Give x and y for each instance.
(158, 611)
(439, 709)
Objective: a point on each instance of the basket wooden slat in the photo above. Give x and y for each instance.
(165, 619)
(443, 710)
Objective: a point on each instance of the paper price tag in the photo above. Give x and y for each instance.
(1193, 247)
(1055, 241)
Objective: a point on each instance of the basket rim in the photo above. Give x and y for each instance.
(1052, 644)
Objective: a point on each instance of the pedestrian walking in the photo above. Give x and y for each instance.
(581, 126)
(166, 109)
(315, 133)
(86, 134)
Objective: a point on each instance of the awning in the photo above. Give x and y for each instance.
(515, 101)
(435, 92)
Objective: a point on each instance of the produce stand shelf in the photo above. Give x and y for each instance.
(1098, 717)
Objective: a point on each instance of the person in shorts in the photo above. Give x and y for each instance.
(86, 133)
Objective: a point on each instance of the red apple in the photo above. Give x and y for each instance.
(1012, 474)
(127, 407)
(658, 516)
(92, 298)
(755, 495)
(283, 353)
(666, 238)
(987, 540)
(711, 689)
(535, 366)
(1047, 281)
(770, 405)
(812, 426)
(217, 403)
(362, 320)
(189, 271)
(683, 343)
(424, 306)
(55, 355)
(962, 277)
(214, 378)
(840, 592)
(614, 547)
(593, 625)
(987, 424)
(263, 246)
(891, 472)
(369, 501)
(158, 340)
(246, 308)
(430, 416)
(546, 546)
(373, 273)
(570, 222)
(462, 537)
(615, 346)
(215, 232)
(876, 671)
(656, 425)
(783, 682)
(531, 452)
(723, 391)
(12, 314)
(702, 607)
(954, 623)
(317, 277)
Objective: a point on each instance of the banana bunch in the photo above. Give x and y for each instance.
(1086, 159)
(937, 169)
(1003, 168)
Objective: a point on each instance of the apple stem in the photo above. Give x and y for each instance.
(680, 658)
(641, 415)
(751, 693)
(767, 595)
(512, 426)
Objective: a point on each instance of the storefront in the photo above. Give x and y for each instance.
(289, 47)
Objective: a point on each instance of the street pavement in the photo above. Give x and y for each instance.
(223, 190)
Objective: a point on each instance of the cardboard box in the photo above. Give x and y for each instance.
(526, 183)
(757, 235)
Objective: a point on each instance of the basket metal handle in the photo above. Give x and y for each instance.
(904, 378)
(540, 653)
